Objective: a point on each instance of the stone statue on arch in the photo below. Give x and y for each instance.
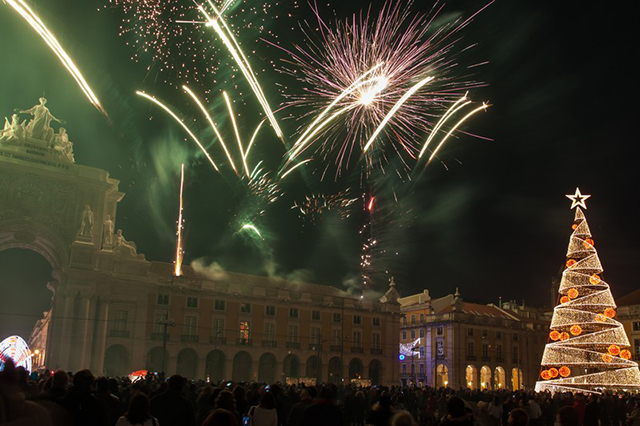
(40, 125)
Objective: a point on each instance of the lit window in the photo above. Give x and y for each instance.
(244, 330)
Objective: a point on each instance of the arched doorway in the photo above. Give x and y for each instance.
(472, 377)
(516, 379)
(335, 370)
(314, 368)
(25, 296)
(291, 366)
(355, 369)
(500, 378)
(187, 363)
(214, 367)
(154, 359)
(485, 377)
(375, 372)
(442, 373)
(267, 368)
(242, 370)
(116, 361)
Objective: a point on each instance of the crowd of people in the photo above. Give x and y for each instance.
(65, 398)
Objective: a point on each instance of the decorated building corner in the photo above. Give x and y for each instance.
(588, 350)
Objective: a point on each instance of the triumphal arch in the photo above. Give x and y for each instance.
(114, 312)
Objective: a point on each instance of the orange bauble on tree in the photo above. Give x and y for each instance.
(553, 372)
(554, 335)
(588, 243)
(609, 312)
(564, 335)
(576, 330)
(614, 350)
(564, 371)
(572, 293)
(564, 299)
(545, 374)
(625, 354)
(595, 279)
(607, 358)
(571, 263)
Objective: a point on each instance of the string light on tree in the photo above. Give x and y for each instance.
(588, 350)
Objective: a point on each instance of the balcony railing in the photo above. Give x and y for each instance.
(376, 351)
(119, 333)
(189, 338)
(293, 345)
(159, 336)
(335, 348)
(217, 340)
(244, 342)
(486, 358)
(356, 349)
(269, 343)
(499, 358)
(471, 357)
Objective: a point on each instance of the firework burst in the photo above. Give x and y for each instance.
(163, 36)
(381, 83)
(315, 205)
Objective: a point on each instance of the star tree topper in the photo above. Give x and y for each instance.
(578, 199)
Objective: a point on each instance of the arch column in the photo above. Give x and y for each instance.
(81, 338)
(201, 366)
(100, 339)
(64, 340)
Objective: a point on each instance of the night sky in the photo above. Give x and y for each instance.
(493, 222)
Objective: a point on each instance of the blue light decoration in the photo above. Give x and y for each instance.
(16, 348)
(401, 357)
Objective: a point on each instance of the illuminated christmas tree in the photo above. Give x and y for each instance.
(588, 350)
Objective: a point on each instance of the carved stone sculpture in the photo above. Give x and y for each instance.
(13, 130)
(86, 222)
(107, 233)
(61, 143)
(126, 248)
(39, 127)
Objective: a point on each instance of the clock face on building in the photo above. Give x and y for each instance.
(439, 349)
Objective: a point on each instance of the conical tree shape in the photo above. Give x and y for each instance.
(588, 350)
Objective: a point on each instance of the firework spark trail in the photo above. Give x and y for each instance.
(255, 133)
(241, 60)
(235, 129)
(294, 167)
(184, 126)
(395, 109)
(179, 248)
(25, 11)
(252, 228)
(213, 126)
(459, 104)
(462, 120)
